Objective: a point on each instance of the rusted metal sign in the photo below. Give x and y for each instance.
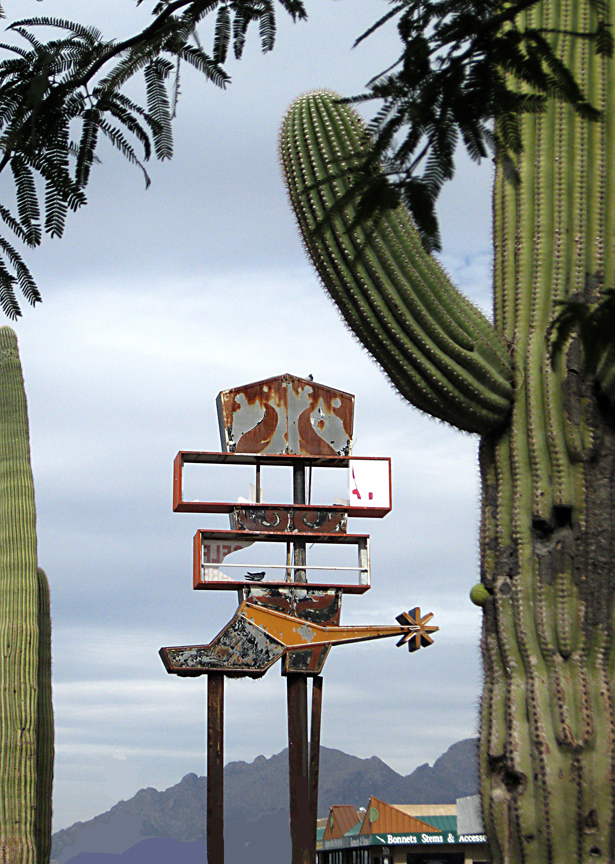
(305, 426)
(286, 414)
(256, 637)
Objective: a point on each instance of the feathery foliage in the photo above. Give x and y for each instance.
(61, 94)
(594, 325)
(457, 79)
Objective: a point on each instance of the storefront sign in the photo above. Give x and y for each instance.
(402, 840)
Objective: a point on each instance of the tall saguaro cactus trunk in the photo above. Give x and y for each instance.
(26, 717)
(547, 747)
(548, 531)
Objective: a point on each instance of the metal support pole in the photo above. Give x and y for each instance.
(314, 763)
(296, 694)
(259, 492)
(300, 815)
(215, 768)
(299, 498)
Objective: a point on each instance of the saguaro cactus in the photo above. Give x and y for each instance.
(26, 717)
(547, 746)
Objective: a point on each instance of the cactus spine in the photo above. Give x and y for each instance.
(26, 718)
(547, 752)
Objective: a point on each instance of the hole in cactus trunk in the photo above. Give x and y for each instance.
(595, 852)
(562, 516)
(541, 529)
(590, 823)
(513, 780)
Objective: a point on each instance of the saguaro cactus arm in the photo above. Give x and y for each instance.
(441, 352)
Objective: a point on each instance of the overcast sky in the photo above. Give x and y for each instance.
(153, 303)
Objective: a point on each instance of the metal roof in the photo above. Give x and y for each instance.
(442, 823)
(421, 810)
(342, 818)
(381, 817)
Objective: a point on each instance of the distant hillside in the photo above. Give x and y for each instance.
(260, 789)
(266, 841)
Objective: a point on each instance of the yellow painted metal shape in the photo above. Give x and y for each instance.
(294, 633)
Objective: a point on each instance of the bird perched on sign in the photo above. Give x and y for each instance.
(256, 577)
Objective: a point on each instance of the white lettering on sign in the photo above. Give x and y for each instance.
(368, 483)
(401, 839)
(472, 838)
(213, 553)
(432, 838)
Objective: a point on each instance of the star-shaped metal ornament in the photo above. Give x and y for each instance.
(419, 636)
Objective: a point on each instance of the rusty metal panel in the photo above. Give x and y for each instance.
(305, 521)
(308, 662)
(317, 605)
(241, 647)
(288, 415)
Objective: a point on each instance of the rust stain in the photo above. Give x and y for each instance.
(309, 441)
(257, 440)
(286, 414)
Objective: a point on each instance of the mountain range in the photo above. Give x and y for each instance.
(158, 827)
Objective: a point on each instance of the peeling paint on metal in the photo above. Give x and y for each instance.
(286, 414)
(289, 519)
(306, 633)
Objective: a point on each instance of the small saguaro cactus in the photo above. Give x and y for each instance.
(26, 714)
(547, 452)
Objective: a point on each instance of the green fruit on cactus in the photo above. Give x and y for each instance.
(26, 715)
(479, 594)
(547, 452)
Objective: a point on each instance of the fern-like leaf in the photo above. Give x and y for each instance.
(8, 301)
(116, 138)
(159, 107)
(222, 34)
(267, 29)
(23, 276)
(27, 199)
